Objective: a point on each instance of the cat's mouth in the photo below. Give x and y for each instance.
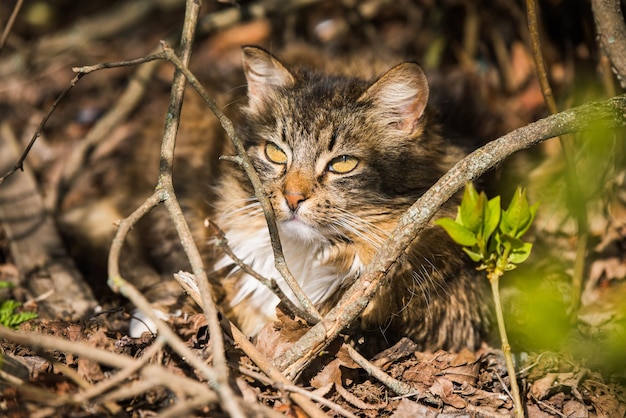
(295, 226)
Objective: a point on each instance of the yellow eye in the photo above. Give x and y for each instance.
(275, 154)
(343, 164)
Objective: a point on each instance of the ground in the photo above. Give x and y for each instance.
(568, 338)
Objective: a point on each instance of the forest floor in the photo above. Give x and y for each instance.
(571, 360)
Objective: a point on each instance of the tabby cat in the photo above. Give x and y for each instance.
(341, 158)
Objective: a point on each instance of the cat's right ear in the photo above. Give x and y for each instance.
(264, 74)
(400, 97)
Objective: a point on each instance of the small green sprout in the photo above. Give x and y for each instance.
(8, 317)
(491, 237)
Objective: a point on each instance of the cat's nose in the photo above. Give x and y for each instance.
(294, 199)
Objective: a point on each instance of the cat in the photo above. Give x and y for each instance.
(342, 154)
(341, 158)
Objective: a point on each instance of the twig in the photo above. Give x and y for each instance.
(575, 196)
(10, 22)
(312, 315)
(271, 284)
(494, 281)
(401, 388)
(413, 221)
(612, 33)
(297, 389)
(40, 342)
(19, 165)
(165, 188)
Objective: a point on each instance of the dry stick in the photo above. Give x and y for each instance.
(414, 220)
(612, 33)
(166, 189)
(271, 284)
(292, 388)
(575, 196)
(401, 388)
(19, 165)
(39, 342)
(312, 315)
(9, 26)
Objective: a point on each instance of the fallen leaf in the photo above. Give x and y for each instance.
(444, 389)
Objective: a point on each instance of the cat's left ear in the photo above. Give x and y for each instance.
(400, 96)
(264, 73)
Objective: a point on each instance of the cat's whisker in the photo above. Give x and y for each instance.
(251, 208)
(361, 227)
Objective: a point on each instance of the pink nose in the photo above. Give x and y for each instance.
(294, 199)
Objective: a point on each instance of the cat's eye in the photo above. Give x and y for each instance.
(343, 164)
(275, 154)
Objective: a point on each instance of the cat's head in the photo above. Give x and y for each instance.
(340, 157)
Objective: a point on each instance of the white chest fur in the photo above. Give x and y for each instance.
(306, 259)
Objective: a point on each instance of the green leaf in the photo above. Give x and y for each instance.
(459, 234)
(471, 209)
(521, 254)
(518, 217)
(491, 217)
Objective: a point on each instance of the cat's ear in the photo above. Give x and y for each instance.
(400, 96)
(264, 73)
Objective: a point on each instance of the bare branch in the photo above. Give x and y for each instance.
(20, 163)
(10, 22)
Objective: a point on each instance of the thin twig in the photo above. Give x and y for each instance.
(609, 113)
(72, 374)
(10, 22)
(271, 284)
(165, 188)
(296, 389)
(19, 165)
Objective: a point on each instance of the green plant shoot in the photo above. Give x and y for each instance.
(491, 237)
(8, 317)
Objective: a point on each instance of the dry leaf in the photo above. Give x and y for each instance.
(444, 389)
